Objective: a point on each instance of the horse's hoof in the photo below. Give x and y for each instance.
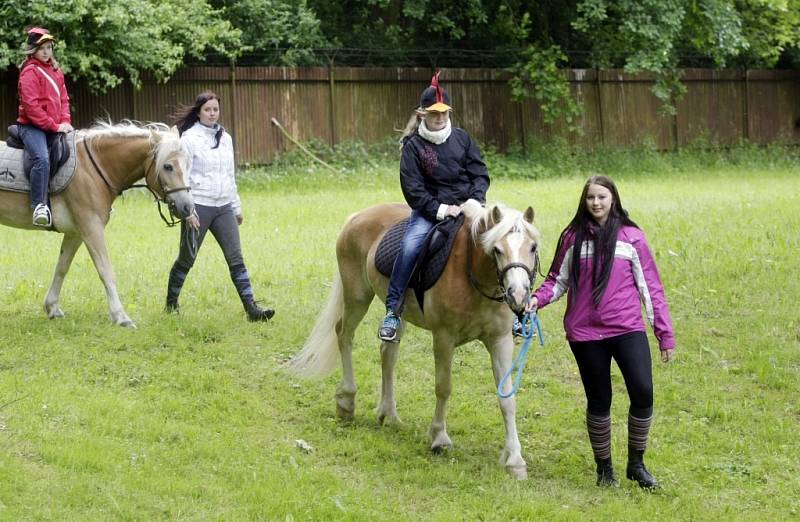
(128, 324)
(343, 414)
(53, 311)
(388, 419)
(443, 448)
(518, 472)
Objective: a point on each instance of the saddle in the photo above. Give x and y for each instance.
(59, 151)
(15, 163)
(432, 258)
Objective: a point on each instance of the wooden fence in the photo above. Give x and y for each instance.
(369, 104)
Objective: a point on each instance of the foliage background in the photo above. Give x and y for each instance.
(106, 42)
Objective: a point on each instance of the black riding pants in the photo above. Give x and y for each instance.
(221, 222)
(631, 351)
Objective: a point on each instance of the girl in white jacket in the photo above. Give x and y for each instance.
(217, 205)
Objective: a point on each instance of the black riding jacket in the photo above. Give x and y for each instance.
(449, 173)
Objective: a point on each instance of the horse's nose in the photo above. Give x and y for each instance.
(188, 208)
(517, 296)
(183, 208)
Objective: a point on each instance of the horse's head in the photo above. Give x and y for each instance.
(166, 176)
(509, 238)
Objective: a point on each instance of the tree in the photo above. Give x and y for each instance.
(663, 35)
(105, 41)
(285, 31)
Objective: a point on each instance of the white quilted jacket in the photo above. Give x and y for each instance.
(211, 171)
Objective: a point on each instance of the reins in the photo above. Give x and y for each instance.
(171, 221)
(115, 191)
(474, 282)
(529, 321)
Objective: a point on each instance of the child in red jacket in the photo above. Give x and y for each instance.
(43, 113)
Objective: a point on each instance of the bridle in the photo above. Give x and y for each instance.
(171, 221)
(501, 273)
(150, 172)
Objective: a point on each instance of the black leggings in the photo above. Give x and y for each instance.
(632, 353)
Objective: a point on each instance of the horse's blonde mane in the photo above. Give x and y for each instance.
(487, 234)
(169, 143)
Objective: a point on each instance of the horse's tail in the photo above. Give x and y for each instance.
(320, 353)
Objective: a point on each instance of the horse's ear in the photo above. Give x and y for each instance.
(528, 215)
(174, 130)
(497, 215)
(155, 136)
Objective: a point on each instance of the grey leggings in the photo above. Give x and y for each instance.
(221, 222)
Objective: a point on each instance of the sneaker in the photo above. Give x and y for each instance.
(41, 216)
(516, 328)
(388, 330)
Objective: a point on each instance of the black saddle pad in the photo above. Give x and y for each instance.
(432, 259)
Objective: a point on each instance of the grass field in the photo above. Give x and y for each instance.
(191, 417)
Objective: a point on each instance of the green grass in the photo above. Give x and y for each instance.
(191, 417)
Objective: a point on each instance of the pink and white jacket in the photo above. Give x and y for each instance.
(632, 283)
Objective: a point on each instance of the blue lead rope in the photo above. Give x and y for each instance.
(530, 321)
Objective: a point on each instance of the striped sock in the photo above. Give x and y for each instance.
(638, 429)
(599, 428)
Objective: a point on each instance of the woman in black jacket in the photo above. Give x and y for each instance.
(441, 170)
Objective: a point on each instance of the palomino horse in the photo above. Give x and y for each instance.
(495, 253)
(110, 159)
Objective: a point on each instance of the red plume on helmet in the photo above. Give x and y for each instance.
(435, 85)
(434, 98)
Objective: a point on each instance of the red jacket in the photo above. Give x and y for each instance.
(43, 98)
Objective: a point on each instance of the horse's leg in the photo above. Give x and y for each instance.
(69, 246)
(443, 348)
(387, 407)
(357, 298)
(94, 237)
(501, 352)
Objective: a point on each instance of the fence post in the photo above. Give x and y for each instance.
(134, 106)
(333, 102)
(600, 124)
(674, 124)
(232, 66)
(746, 107)
(521, 113)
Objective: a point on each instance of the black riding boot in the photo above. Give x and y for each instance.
(176, 278)
(636, 470)
(605, 473)
(241, 280)
(256, 313)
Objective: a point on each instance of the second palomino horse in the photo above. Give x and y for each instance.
(486, 280)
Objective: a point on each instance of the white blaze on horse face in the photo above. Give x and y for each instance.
(516, 281)
(172, 176)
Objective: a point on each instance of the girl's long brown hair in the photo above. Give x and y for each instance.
(605, 238)
(186, 116)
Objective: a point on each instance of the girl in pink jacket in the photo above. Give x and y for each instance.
(604, 266)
